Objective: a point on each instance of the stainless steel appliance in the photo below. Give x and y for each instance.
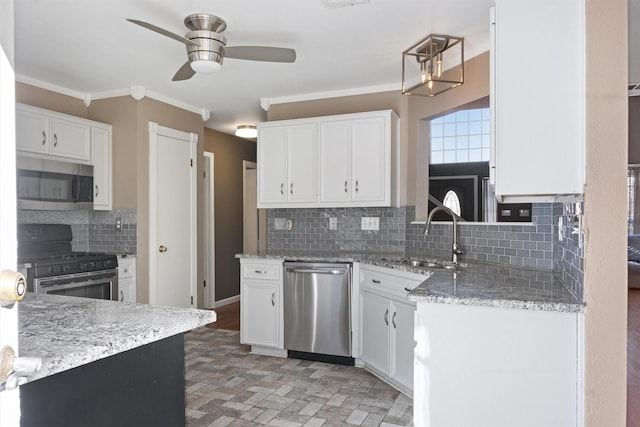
(50, 266)
(51, 184)
(317, 308)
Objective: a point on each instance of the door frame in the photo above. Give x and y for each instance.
(262, 213)
(209, 231)
(156, 130)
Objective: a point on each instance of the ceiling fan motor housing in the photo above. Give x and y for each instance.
(210, 46)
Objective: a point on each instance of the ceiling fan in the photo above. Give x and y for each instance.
(206, 47)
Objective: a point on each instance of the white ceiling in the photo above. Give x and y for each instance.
(87, 47)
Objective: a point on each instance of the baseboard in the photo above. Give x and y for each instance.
(227, 301)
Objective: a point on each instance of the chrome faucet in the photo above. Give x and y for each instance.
(455, 249)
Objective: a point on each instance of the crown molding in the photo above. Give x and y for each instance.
(265, 103)
(136, 92)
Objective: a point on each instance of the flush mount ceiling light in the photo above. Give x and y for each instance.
(334, 4)
(246, 131)
(433, 65)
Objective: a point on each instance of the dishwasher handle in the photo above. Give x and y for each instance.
(334, 271)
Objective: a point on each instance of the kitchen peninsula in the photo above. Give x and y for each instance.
(104, 362)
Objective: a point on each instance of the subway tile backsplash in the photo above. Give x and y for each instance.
(92, 230)
(533, 245)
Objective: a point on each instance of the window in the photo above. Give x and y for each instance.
(461, 137)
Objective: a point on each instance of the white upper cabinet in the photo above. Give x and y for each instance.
(51, 135)
(330, 161)
(101, 161)
(287, 165)
(45, 132)
(538, 99)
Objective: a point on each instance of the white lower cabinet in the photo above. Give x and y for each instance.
(498, 367)
(261, 311)
(127, 279)
(386, 324)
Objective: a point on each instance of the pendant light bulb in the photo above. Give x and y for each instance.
(439, 65)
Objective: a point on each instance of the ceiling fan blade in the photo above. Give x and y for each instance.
(260, 53)
(184, 73)
(163, 32)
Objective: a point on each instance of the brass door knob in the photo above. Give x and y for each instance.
(162, 248)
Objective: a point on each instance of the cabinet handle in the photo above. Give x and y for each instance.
(44, 138)
(356, 185)
(260, 271)
(282, 188)
(121, 296)
(376, 281)
(345, 186)
(55, 140)
(273, 299)
(291, 188)
(97, 190)
(393, 320)
(407, 289)
(386, 317)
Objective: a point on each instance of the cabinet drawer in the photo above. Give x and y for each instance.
(126, 268)
(398, 285)
(264, 271)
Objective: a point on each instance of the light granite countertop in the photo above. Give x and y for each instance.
(489, 285)
(67, 332)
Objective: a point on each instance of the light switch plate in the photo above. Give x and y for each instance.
(333, 223)
(280, 224)
(370, 223)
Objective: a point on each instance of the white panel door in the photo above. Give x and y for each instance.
(374, 335)
(9, 399)
(301, 163)
(370, 160)
(335, 161)
(260, 319)
(32, 132)
(402, 343)
(101, 161)
(172, 217)
(272, 165)
(70, 139)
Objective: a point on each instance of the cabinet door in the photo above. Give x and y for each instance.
(259, 305)
(402, 344)
(126, 290)
(70, 139)
(101, 153)
(32, 132)
(374, 334)
(301, 163)
(540, 143)
(335, 161)
(371, 160)
(272, 165)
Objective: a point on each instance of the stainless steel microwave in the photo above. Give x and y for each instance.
(53, 185)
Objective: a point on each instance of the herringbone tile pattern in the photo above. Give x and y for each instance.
(228, 386)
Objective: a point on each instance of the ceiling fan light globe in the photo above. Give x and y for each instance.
(205, 66)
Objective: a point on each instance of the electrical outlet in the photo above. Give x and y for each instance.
(370, 223)
(118, 224)
(280, 224)
(333, 223)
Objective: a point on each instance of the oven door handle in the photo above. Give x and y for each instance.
(73, 281)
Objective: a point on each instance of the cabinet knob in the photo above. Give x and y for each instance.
(125, 270)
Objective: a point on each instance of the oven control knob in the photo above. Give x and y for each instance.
(82, 266)
(98, 265)
(53, 269)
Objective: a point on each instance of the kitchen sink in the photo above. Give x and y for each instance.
(433, 264)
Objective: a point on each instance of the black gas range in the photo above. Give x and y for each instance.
(51, 266)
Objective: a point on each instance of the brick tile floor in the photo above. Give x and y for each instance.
(228, 386)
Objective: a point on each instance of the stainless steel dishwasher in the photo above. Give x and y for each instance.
(317, 308)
